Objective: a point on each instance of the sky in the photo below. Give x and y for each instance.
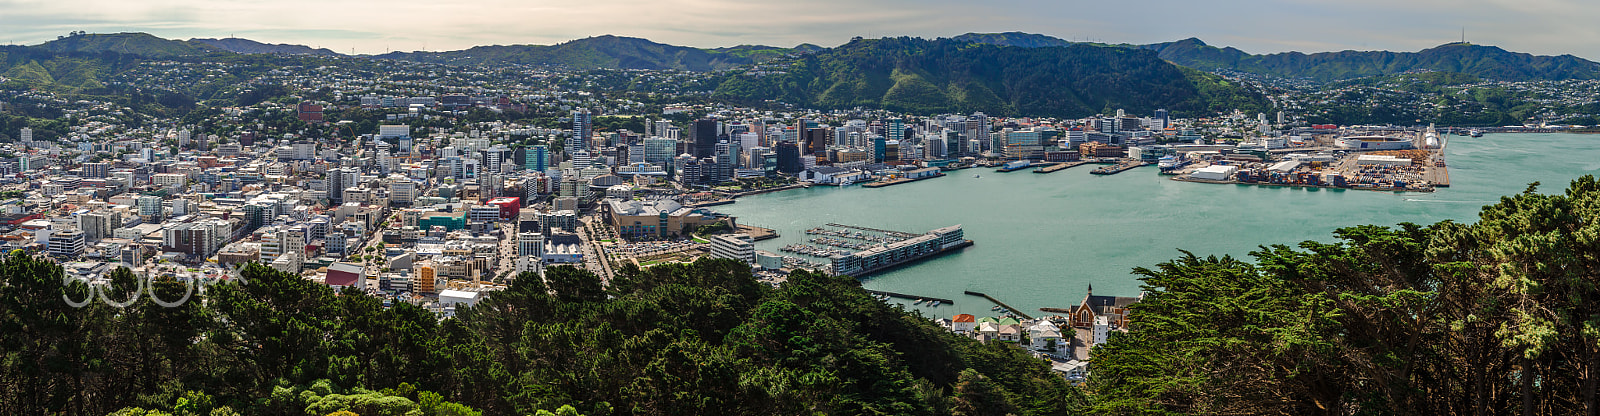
(1544, 27)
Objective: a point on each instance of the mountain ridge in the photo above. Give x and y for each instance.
(247, 46)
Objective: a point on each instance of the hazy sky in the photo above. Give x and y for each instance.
(1546, 27)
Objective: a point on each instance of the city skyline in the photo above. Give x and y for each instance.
(1546, 27)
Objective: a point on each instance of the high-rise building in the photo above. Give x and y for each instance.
(25, 136)
(99, 224)
(66, 243)
(895, 129)
(816, 141)
(149, 208)
(788, 155)
(582, 129)
(705, 137)
(537, 158)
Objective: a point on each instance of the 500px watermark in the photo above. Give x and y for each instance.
(146, 287)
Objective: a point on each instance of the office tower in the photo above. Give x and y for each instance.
(895, 129)
(25, 136)
(816, 141)
(977, 129)
(705, 137)
(150, 208)
(788, 154)
(537, 158)
(582, 129)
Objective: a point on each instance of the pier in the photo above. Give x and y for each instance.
(1117, 168)
(758, 233)
(888, 232)
(912, 297)
(998, 302)
(1059, 167)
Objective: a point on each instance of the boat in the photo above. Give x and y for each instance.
(1475, 133)
(918, 302)
(935, 303)
(1373, 142)
(975, 176)
(995, 308)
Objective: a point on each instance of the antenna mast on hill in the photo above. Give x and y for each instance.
(1463, 34)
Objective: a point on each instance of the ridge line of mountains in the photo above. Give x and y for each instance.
(620, 52)
(996, 73)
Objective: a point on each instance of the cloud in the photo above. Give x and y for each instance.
(1257, 26)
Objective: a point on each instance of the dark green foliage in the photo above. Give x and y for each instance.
(608, 52)
(1492, 318)
(675, 339)
(1476, 60)
(237, 45)
(142, 44)
(923, 76)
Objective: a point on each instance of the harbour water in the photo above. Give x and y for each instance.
(1041, 240)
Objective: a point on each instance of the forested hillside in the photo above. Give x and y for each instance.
(933, 76)
(1497, 317)
(692, 339)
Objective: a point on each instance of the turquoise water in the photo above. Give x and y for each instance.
(1041, 240)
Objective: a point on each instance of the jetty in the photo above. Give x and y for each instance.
(998, 302)
(1059, 167)
(912, 297)
(902, 234)
(1117, 168)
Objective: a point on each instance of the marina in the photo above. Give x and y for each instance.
(997, 302)
(1137, 219)
(920, 299)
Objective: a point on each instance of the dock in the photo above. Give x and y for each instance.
(1117, 168)
(998, 302)
(758, 233)
(1060, 167)
(913, 297)
(1004, 169)
(889, 232)
(897, 181)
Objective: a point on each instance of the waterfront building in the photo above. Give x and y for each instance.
(734, 246)
(893, 254)
(654, 219)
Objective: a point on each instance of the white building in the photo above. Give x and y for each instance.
(1215, 172)
(734, 246)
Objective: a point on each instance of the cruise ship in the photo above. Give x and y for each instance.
(1373, 142)
(1171, 163)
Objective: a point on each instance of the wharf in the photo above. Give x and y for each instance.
(710, 203)
(886, 267)
(1117, 168)
(905, 296)
(901, 234)
(758, 233)
(1060, 167)
(998, 302)
(896, 181)
(1004, 170)
(762, 191)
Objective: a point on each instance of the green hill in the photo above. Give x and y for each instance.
(142, 44)
(1480, 61)
(608, 52)
(691, 339)
(237, 45)
(1018, 39)
(948, 75)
